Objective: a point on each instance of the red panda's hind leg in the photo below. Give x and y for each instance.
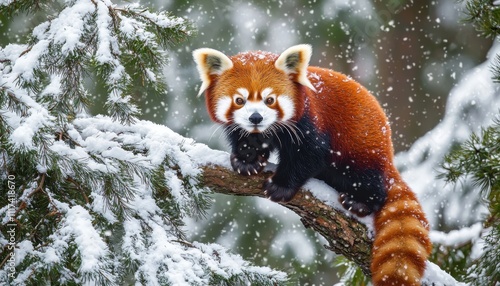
(361, 191)
(358, 208)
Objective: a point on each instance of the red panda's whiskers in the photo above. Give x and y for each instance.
(229, 129)
(293, 127)
(282, 126)
(272, 131)
(290, 128)
(217, 129)
(243, 133)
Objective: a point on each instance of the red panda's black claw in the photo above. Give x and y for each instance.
(358, 208)
(246, 167)
(277, 193)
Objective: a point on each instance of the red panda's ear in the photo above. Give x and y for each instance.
(295, 60)
(210, 62)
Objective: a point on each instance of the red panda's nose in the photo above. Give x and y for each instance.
(255, 118)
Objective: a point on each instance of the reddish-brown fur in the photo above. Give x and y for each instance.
(401, 245)
(361, 134)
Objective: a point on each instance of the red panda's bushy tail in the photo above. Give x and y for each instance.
(402, 245)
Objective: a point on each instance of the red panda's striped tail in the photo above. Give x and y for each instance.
(402, 243)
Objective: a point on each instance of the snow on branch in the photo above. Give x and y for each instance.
(318, 209)
(147, 242)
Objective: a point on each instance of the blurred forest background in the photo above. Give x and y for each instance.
(410, 54)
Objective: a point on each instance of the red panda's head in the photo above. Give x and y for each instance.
(254, 90)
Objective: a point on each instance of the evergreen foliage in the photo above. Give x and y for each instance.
(349, 272)
(97, 198)
(479, 158)
(485, 16)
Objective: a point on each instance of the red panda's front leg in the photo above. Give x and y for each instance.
(292, 173)
(249, 154)
(298, 162)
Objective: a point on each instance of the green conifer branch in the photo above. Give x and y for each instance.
(479, 159)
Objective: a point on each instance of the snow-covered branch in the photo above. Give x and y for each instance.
(345, 235)
(317, 206)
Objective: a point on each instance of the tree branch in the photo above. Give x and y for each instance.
(345, 235)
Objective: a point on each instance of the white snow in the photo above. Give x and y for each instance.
(435, 276)
(458, 237)
(106, 41)
(68, 27)
(99, 206)
(77, 224)
(22, 136)
(54, 87)
(330, 196)
(163, 20)
(24, 248)
(26, 63)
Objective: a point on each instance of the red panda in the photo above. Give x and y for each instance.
(323, 125)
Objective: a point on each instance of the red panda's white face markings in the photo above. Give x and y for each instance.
(256, 91)
(256, 111)
(287, 106)
(222, 106)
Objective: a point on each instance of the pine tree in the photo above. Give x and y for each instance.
(99, 199)
(485, 16)
(479, 160)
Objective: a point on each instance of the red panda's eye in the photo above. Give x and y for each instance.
(269, 100)
(239, 101)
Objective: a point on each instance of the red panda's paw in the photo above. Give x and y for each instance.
(278, 193)
(246, 168)
(355, 207)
